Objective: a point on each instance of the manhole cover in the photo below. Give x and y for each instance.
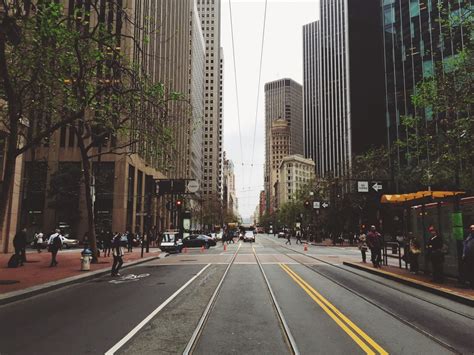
(161, 283)
(8, 282)
(189, 260)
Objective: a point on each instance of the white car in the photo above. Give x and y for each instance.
(69, 243)
(171, 243)
(249, 236)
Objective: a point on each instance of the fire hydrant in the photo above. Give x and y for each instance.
(86, 259)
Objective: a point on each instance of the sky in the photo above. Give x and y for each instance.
(282, 58)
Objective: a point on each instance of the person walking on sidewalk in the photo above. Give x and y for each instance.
(130, 241)
(435, 253)
(363, 247)
(19, 243)
(107, 242)
(468, 256)
(54, 245)
(374, 242)
(39, 241)
(117, 253)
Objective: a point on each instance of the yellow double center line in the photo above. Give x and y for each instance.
(362, 339)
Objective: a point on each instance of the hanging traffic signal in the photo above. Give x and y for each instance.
(179, 204)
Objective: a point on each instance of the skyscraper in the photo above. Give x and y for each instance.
(413, 45)
(283, 102)
(210, 14)
(343, 84)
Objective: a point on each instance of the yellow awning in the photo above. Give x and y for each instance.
(418, 195)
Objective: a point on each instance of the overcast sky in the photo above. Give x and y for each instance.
(282, 57)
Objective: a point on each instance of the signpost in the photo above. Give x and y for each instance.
(316, 205)
(377, 186)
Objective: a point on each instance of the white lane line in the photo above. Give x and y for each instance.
(135, 330)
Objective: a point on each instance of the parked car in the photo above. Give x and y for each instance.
(68, 242)
(171, 243)
(198, 240)
(281, 234)
(249, 236)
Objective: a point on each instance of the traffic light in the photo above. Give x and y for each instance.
(307, 204)
(179, 204)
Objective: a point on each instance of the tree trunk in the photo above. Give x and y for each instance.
(12, 141)
(86, 166)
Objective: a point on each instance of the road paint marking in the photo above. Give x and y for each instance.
(336, 315)
(128, 278)
(135, 330)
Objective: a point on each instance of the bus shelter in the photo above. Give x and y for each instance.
(442, 209)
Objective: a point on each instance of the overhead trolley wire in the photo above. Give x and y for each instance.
(235, 80)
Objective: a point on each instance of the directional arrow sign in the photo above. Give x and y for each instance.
(325, 205)
(377, 186)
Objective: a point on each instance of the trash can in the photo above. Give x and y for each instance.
(86, 259)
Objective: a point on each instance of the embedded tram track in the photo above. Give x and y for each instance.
(376, 304)
(194, 340)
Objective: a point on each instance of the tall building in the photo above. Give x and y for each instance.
(280, 148)
(210, 15)
(295, 172)
(174, 56)
(413, 45)
(283, 102)
(343, 84)
(231, 204)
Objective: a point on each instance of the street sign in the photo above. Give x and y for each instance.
(377, 186)
(362, 186)
(325, 204)
(316, 205)
(193, 186)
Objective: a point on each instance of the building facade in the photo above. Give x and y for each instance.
(212, 183)
(413, 46)
(280, 148)
(283, 102)
(124, 184)
(343, 84)
(295, 172)
(231, 203)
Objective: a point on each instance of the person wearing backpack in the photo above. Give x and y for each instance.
(54, 245)
(468, 256)
(117, 253)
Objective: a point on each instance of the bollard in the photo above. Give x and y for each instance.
(225, 247)
(305, 246)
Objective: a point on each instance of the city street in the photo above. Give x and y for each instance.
(316, 306)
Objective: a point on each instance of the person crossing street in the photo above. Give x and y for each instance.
(117, 253)
(374, 242)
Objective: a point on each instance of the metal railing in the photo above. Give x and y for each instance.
(395, 252)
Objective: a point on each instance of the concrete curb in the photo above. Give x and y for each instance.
(53, 285)
(452, 295)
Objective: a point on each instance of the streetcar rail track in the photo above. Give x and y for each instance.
(377, 282)
(194, 340)
(375, 304)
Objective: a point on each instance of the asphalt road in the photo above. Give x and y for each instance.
(328, 309)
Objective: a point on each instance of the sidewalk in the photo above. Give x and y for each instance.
(36, 270)
(450, 289)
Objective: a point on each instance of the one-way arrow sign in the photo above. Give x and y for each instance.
(377, 186)
(325, 205)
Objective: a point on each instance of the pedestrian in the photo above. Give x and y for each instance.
(38, 241)
(54, 245)
(413, 252)
(107, 242)
(374, 242)
(363, 246)
(129, 241)
(288, 238)
(117, 253)
(468, 256)
(434, 249)
(19, 243)
(298, 236)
